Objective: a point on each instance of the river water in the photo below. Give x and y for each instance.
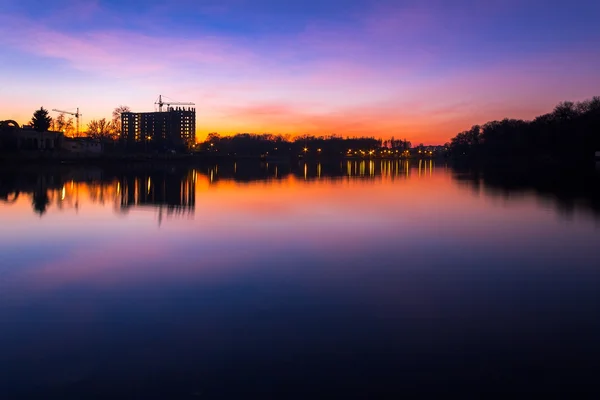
(359, 279)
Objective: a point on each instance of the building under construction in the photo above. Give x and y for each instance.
(172, 129)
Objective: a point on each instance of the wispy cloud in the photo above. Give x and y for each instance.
(119, 52)
(394, 67)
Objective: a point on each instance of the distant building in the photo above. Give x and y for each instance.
(164, 130)
(82, 146)
(13, 137)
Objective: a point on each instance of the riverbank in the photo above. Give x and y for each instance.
(16, 159)
(102, 159)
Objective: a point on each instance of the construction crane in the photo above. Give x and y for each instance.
(168, 103)
(75, 114)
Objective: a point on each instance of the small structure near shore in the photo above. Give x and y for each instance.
(85, 146)
(14, 137)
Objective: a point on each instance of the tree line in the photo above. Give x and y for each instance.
(242, 144)
(248, 144)
(100, 129)
(570, 132)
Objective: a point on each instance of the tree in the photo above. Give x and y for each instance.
(116, 117)
(213, 137)
(569, 132)
(40, 201)
(565, 111)
(69, 129)
(100, 129)
(59, 123)
(41, 121)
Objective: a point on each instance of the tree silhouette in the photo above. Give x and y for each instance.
(100, 129)
(59, 123)
(40, 201)
(41, 121)
(68, 128)
(569, 132)
(252, 144)
(116, 118)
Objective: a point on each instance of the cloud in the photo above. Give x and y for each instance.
(390, 70)
(117, 52)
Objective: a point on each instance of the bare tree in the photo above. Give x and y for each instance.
(116, 117)
(101, 129)
(64, 125)
(59, 123)
(69, 129)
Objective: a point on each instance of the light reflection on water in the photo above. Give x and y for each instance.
(360, 276)
(174, 188)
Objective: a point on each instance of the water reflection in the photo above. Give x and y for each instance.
(172, 191)
(361, 277)
(314, 171)
(564, 189)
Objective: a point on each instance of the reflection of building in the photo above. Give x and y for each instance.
(12, 185)
(176, 192)
(171, 129)
(171, 191)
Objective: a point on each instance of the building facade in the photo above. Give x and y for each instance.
(85, 146)
(174, 129)
(13, 137)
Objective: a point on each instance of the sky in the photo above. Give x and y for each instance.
(420, 70)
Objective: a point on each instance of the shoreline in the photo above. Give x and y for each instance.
(16, 159)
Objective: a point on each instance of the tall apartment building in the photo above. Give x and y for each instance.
(172, 129)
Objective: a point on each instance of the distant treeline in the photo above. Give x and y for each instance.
(250, 144)
(570, 132)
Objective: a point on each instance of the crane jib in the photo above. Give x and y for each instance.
(75, 114)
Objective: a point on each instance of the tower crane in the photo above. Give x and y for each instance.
(168, 103)
(75, 114)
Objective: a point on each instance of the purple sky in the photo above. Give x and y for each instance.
(421, 70)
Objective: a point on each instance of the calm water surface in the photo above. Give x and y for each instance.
(359, 279)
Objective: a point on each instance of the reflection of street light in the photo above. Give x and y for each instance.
(319, 150)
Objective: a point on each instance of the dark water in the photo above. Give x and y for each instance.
(352, 280)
